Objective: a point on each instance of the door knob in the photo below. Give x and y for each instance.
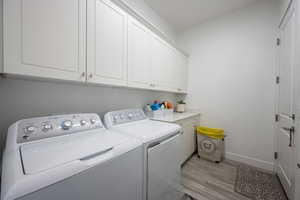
(287, 129)
(291, 132)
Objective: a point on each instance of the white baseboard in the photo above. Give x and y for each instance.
(250, 161)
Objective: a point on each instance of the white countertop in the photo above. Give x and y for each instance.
(175, 116)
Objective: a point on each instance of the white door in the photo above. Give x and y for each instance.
(286, 108)
(45, 38)
(139, 55)
(106, 43)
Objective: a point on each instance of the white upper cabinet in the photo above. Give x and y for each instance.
(139, 55)
(169, 66)
(92, 41)
(45, 38)
(152, 62)
(106, 43)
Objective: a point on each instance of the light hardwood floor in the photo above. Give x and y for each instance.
(204, 180)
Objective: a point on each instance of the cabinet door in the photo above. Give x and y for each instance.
(45, 38)
(106, 43)
(162, 64)
(178, 75)
(182, 74)
(185, 143)
(192, 139)
(189, 140)
(190, 149)
(139, 55)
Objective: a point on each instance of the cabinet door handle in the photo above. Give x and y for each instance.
(83, 74)
(91, 75)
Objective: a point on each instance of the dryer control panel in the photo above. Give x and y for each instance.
(123, 116)
(52, 126)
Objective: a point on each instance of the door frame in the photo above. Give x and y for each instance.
(297, 99)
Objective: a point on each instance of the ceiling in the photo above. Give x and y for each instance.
(183, 14)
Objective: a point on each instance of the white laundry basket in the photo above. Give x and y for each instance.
(210, 143)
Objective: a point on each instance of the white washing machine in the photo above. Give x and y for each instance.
(70, 157)
(162, 150)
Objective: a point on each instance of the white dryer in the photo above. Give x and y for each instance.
(70, 157)
(162, 151)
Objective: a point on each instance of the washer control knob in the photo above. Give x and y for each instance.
(66, 125)
(47, 127)
(93, 121)
(130, 115)
(30, 129)
(116, 117)
(83, 122)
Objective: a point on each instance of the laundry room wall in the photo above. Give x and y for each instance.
(232, 78)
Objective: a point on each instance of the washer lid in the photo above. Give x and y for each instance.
(43, 155)
(147, 130)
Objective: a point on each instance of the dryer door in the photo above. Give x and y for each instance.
(164, 172)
